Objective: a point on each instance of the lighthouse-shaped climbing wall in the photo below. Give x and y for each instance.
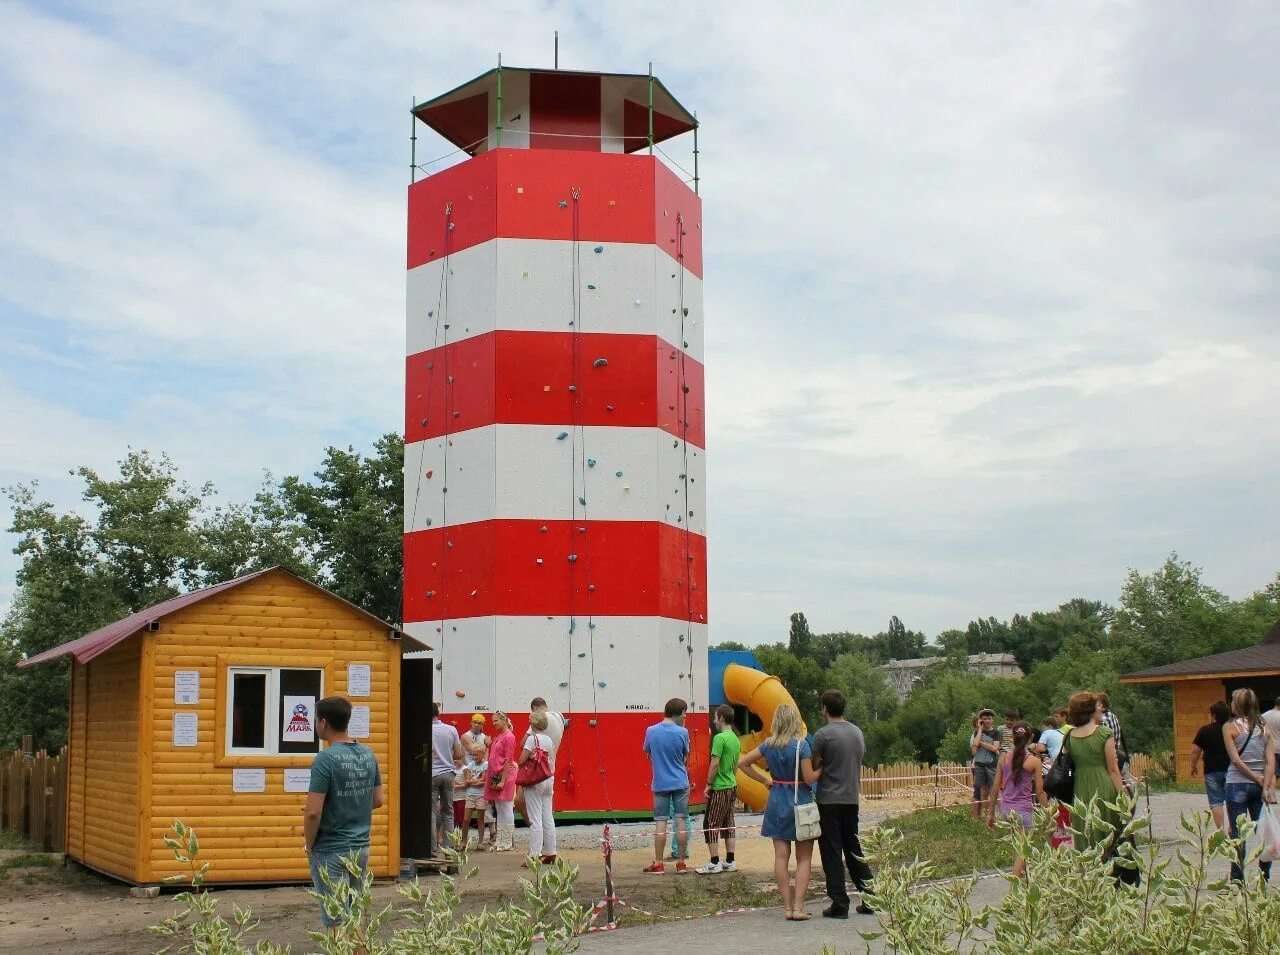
(555, 502)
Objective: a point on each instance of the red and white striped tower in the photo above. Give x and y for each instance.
(555, 501)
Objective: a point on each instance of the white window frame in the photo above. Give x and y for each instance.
(272, 714)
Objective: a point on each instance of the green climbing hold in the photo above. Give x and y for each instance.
(581, 655)
(591, 287)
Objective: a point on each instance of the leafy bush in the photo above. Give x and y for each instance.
(1070, 901)
(430, 922)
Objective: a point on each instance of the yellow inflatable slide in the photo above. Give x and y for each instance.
(760, 693)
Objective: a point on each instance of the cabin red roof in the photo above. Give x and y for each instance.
(98, 642)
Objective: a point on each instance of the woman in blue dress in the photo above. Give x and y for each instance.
(789, 787)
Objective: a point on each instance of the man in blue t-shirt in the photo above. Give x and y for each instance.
(345, 789)
(667, 746)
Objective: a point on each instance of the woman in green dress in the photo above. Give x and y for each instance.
(1097, 771)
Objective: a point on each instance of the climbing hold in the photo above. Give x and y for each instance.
(430, 314)
(439, 666)
(572, 624)
(686, 311)
(582, 530)
(459, 694)
(444, 490)
(637, 301)
(564, 684)
(430, 365)
(562, 435)
(686, 344)
(428, 522)
(681, 638)
(474, 592)
(626, 487)
(675, 444)
(572, 558)
(429, 473)
(601, 684)
(600, 362)
(539, 560)
(430, 594)
(591, 287)
(424, 422)
(611, 646)
(617, 474)
(457, 414)
(591, 625)
(582, 501)
(573, 387)
(608, 407)
(598, 249)
(591, 587)
(450, 543)
(450, 226)
(581, 655)
(542, 529)
(564, 203)
(591, 462)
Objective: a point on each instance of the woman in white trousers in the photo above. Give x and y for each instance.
(538, 796)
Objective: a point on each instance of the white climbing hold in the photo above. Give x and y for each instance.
(600, 362)
(572, 558)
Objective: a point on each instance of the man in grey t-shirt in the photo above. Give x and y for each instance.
(446, 760)
(838, 748)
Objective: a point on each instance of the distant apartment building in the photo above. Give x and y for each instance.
(902, 675)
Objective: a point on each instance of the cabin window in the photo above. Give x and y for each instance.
(257, 721)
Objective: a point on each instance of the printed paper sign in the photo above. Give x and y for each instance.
(184, 729)
(299, 719)
(186, 686)
(358, 728)
(249, 780)
(359, 679)
(297, 780)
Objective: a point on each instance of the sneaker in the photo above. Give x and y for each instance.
(864, 909)
(728, 866)
(831, 912)
(654, 868)
(681, 868)
(711, 868)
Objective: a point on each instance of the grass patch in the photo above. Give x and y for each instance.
(1161, 785)
(691, 895)
(13, 839)
(951, 841)
(28, 860)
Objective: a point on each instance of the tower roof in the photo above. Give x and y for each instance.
(555, 109)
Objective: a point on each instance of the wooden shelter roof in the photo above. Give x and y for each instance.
(103, 639)
(1262, 659)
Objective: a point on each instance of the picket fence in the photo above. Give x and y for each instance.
(33, 798)
(897, 778)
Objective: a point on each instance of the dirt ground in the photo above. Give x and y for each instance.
(67, 910)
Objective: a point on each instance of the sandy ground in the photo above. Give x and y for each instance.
(75, 912)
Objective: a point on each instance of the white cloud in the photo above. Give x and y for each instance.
(991, 292)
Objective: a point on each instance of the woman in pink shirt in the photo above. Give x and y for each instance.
(500, 788)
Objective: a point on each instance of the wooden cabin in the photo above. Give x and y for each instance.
(202, 709)
(1198, 683)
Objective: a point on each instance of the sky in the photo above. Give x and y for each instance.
(992, 290)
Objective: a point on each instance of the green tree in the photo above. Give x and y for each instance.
(354, 518)
(800, 642)
(804, 679)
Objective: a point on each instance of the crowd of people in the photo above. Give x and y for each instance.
(480, 780)
(1010, 762)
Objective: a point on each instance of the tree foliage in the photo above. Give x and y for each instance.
(146, 535)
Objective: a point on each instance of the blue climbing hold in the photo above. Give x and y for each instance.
(591, 625)
(617, 474)
(591, 462)
(562, 435)
(601, 684)
(599, 248)
(582, 501)
(600, 362)
(564, 204)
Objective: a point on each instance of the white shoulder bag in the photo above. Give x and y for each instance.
(808, 824)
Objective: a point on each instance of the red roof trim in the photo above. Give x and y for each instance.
(94, 644)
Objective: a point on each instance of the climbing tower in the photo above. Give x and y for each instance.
(555, 502)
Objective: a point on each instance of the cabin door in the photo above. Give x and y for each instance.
(416, 678)
(1266, 687)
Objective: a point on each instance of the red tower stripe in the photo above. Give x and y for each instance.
(524, 377)
(517, 193)
(619, 568)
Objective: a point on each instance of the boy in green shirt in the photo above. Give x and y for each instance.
(721, 793)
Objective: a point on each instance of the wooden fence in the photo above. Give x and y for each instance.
(945, 778)
(33, 798)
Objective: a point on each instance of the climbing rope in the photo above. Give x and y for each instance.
(683, 404)
(447, 405)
